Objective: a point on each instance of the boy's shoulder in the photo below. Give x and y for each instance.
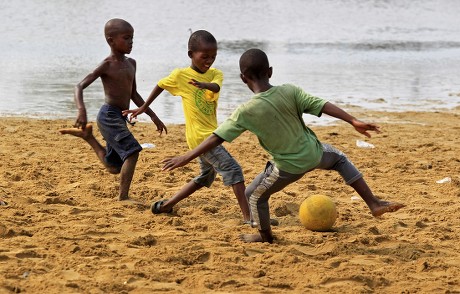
(109, 59)
(188, 71)
(211, 70)
(215, 71)
(291, 89)
(275, 90)
(289, 86)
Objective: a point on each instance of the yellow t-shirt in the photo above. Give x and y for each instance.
(199, 105)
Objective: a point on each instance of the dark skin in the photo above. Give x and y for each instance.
(117, 73)
(258, 85)
(202, 59)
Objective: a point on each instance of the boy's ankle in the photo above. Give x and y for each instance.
(266, 236)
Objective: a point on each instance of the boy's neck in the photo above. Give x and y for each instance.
(117, 56)
(196, 69)
(259, 86)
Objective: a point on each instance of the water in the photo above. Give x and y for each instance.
(391, 55)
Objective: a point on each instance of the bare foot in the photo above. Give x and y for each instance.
(385, 207)
(263, 236)
(84, 134)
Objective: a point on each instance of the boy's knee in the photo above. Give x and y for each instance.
(113, 170)
(133, 156)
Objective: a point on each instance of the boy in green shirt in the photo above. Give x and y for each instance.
(294, 148)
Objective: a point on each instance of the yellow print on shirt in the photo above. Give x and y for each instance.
(206, 107)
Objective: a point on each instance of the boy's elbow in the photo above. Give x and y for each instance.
(78, 87)
(217, 139)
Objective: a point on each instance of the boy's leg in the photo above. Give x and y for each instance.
(87, 135)
(258, 193)
(334, 159)
(204, 179)
(377, 206)
(222, 161)
(126, 175)
(238, 190)
(186, 191)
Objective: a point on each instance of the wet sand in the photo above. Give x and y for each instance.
(63, 232)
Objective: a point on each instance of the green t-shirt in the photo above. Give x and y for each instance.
(275, 117)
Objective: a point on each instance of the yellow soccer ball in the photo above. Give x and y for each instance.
(318, 213)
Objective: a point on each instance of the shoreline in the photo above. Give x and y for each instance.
(317, 121)
(62, 230)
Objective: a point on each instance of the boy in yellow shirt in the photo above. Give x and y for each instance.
(274, 115)
(199, 86)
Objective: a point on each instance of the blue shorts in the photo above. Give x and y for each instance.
(120, 142)
(218, 160)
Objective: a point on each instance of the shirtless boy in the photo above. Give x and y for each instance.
(117, 73)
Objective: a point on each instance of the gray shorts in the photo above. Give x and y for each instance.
(120, 142)
(334, 159)
(273, 180)
(218, 160)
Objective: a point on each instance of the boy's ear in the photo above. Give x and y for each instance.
(110, 40)
(190, 52)
(270, 72)
(243, 78)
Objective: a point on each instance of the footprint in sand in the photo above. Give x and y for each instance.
(3, 230)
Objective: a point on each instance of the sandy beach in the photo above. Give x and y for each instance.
(62, 231)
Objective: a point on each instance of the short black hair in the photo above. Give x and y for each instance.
(200, 36)
(254, 63)
(115, 26)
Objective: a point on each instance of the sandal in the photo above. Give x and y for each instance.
(156, 207)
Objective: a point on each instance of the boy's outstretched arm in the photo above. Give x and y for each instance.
(178, 161)
(144, 107)
(361, 127)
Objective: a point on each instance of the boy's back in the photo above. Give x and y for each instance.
(279, 110)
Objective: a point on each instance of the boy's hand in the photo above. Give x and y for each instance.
(160, 125)
(134, 113)
(197, 84)
(174, 162)
(82, 119)
(363, 127)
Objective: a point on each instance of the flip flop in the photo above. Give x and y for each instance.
(156, 207)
